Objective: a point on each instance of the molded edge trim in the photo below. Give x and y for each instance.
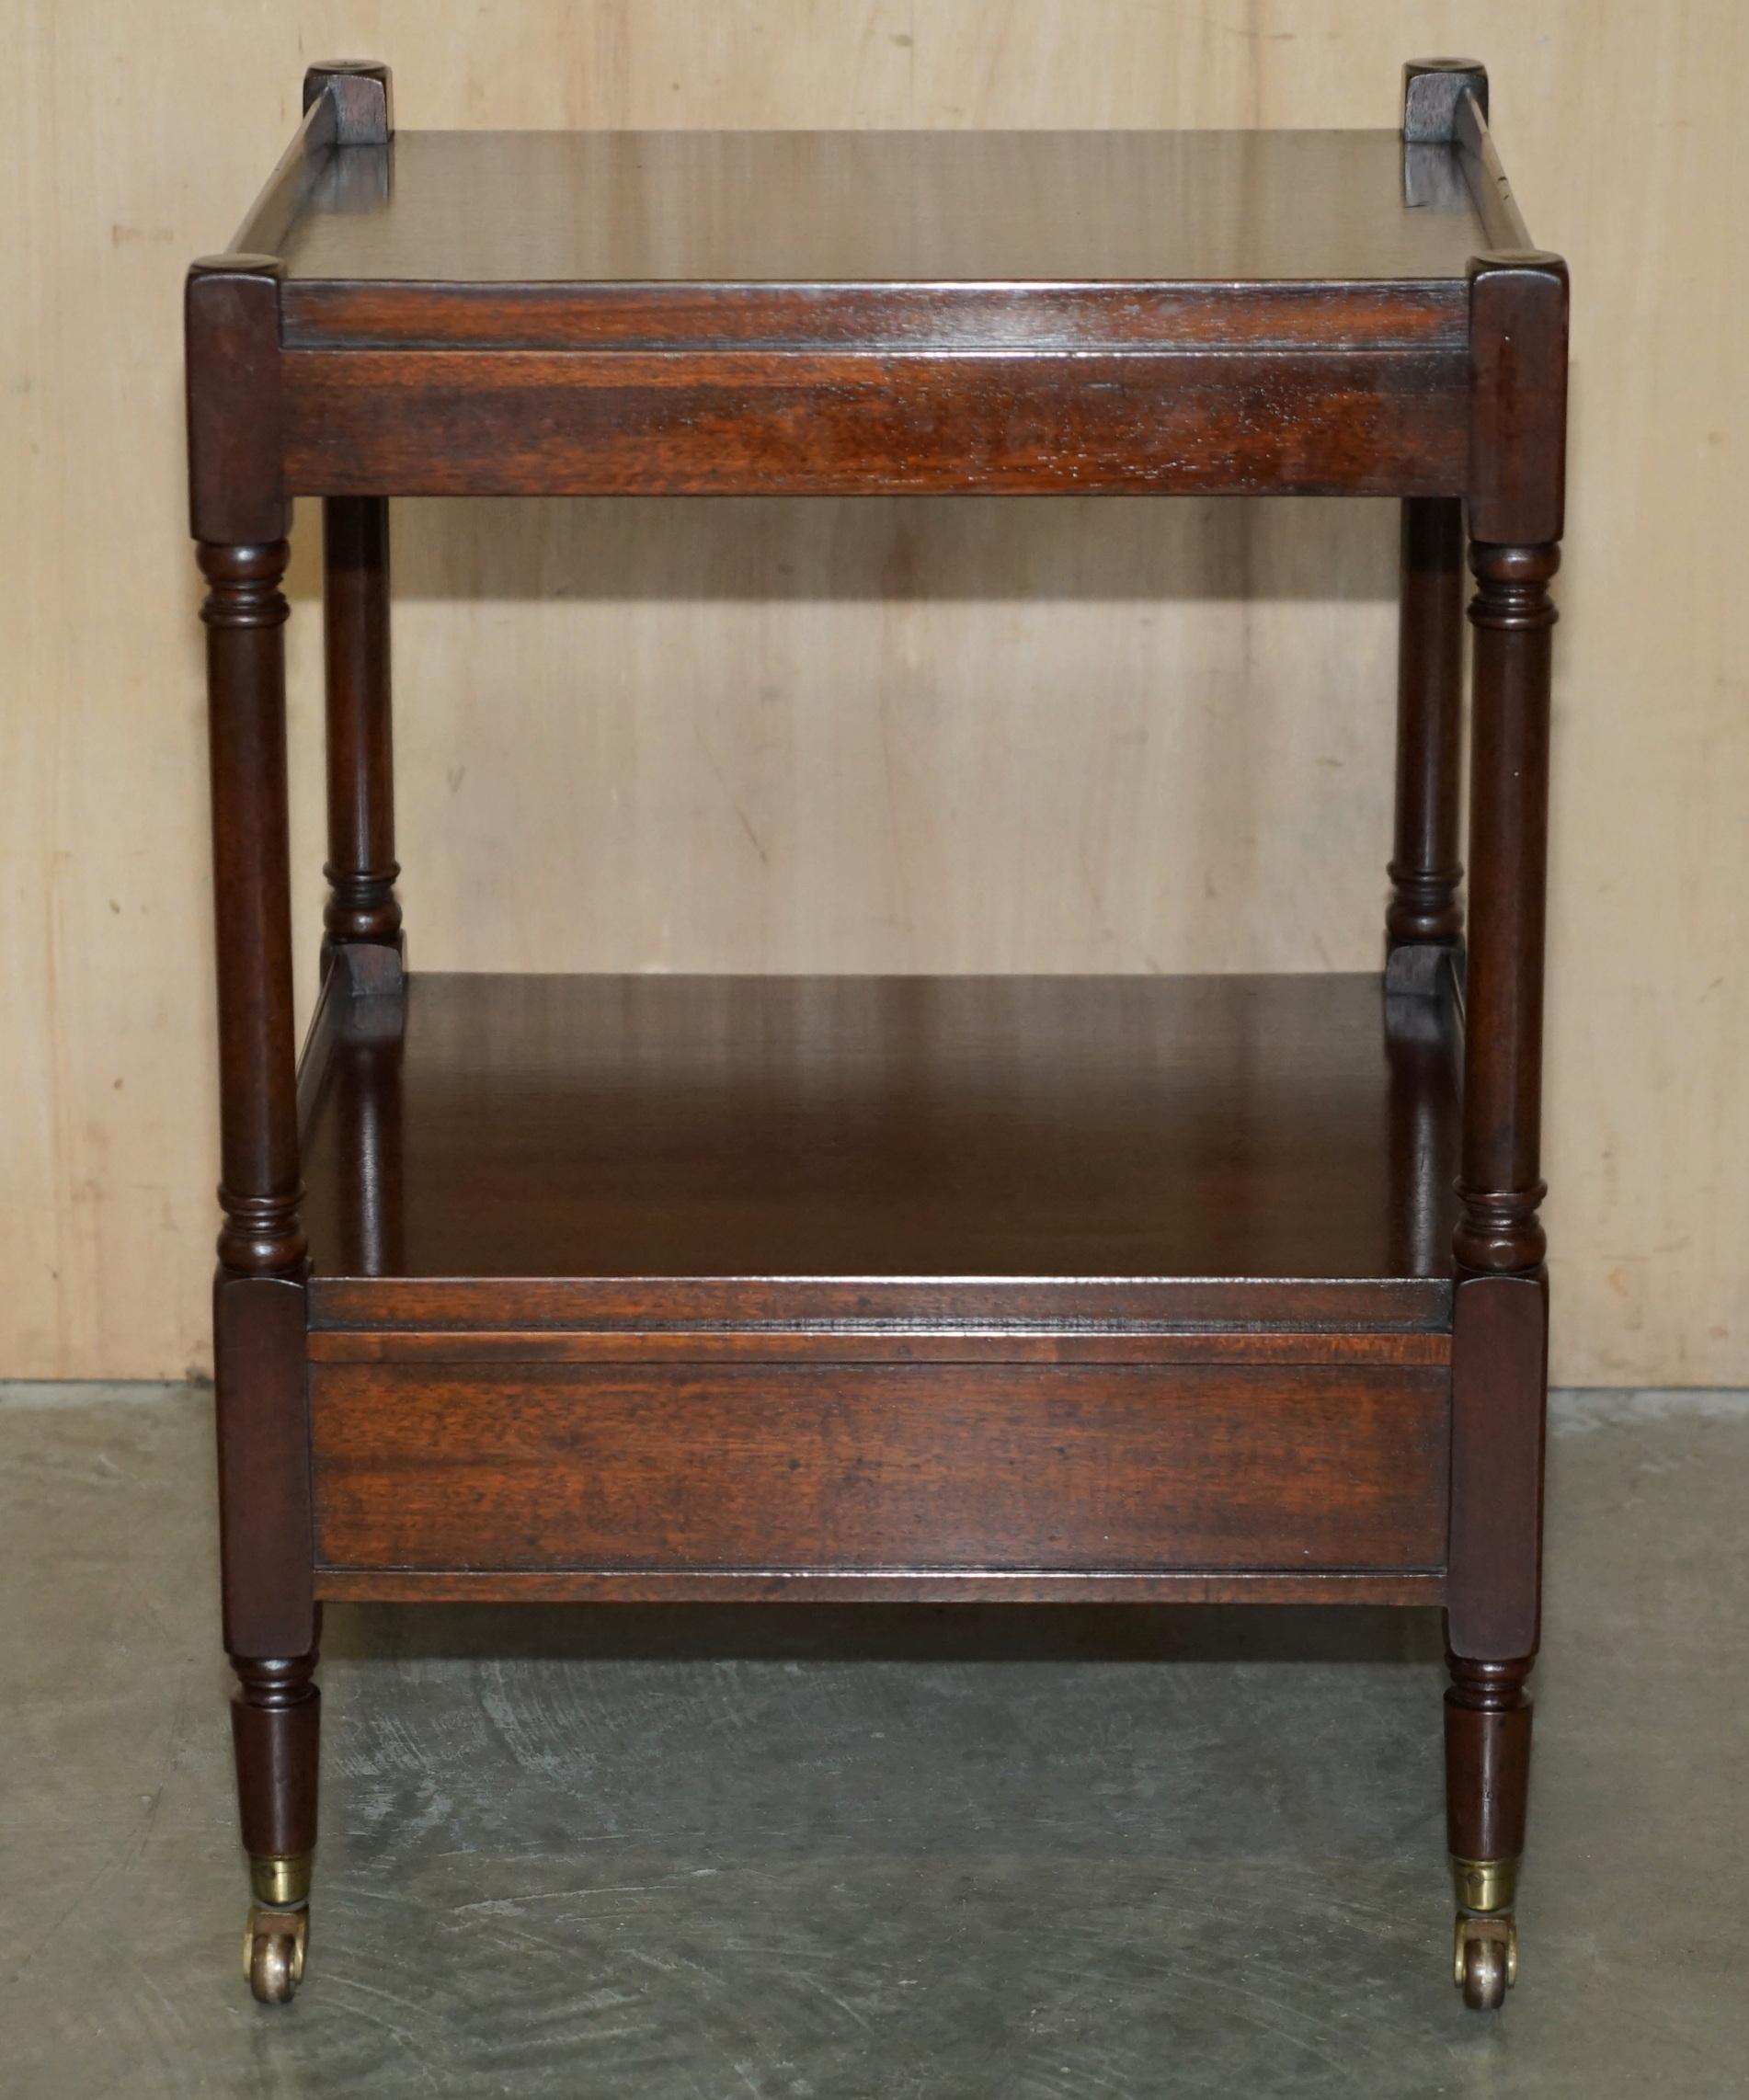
(917, 1585)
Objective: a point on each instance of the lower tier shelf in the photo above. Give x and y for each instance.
(661, 1287)
(549, 1151)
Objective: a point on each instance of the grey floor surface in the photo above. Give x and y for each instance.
(693, 1854)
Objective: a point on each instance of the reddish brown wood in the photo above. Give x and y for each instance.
(323, 313)
(276, 1722)
(236, 461)
(1487, 1758)
(879, 1466)
(1422, 1041)
(1499, 1366)
(395, 1302)
(1425, 867)
(914, 1586)
(245, 614)
(362, 867)
(1519, 324)
(867, 1343)
(640, 1151)
(520, 423)
(1518, 398)
(262, 1407)
(663, 1288)
(1500, 1186)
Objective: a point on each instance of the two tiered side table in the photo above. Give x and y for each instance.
(1221, 1288)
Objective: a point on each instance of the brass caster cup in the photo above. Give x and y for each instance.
(1485, 1885)
(281, 1878)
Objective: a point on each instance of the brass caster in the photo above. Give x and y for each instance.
(273, 1948)
(1485, 1959)
(281, 1879)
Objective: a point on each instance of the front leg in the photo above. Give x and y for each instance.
(260, 1322)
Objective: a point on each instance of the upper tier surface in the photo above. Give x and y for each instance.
(887, 207)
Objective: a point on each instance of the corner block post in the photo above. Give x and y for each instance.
(1432, 88)
(363, 99)
(363, 916)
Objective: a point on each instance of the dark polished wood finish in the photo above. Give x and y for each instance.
(245, 614)
(1487, 1758)
(847, 209)
(869, 1469)
(1029, 1147)
(1508, 845)
(809, 423)
(850, 1586)
(1499, 1348)
(362, 867)
(1218, 1289)
(1425, 867)
(276, 1721)
(262, 1395)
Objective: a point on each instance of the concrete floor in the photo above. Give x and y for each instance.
(811, 1852)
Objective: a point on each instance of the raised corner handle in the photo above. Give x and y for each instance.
(1433, 89)
(361, 93)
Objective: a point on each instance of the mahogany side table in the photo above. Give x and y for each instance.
(1199, 1288)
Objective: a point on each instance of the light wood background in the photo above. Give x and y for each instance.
(1078, 736)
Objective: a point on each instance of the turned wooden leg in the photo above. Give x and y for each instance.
(245, 614)
(1500, 1319)
(258, 1298)
(362, 912)
(1499, 1231)
(276, 1716)
(1486, 1784)
(1425, 911)
(1500, 1326)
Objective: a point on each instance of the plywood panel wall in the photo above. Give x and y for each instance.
(886, 736)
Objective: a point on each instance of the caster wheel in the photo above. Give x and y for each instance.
(1485, 1961)
(273, 1948)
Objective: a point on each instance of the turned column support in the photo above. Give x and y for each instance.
(362, 868)
(245, 614)
(1500, 1185)
(1425, 867)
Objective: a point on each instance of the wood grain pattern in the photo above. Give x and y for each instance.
(883, 1156)
(865, 1342)
(764, 1585)
(803, 316)
(648, 1151)
(738, 733)
(361, 867)
(878, 1468)
(741, 423)
(262, 1409)
(1500, 1351)
(1425, 867)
